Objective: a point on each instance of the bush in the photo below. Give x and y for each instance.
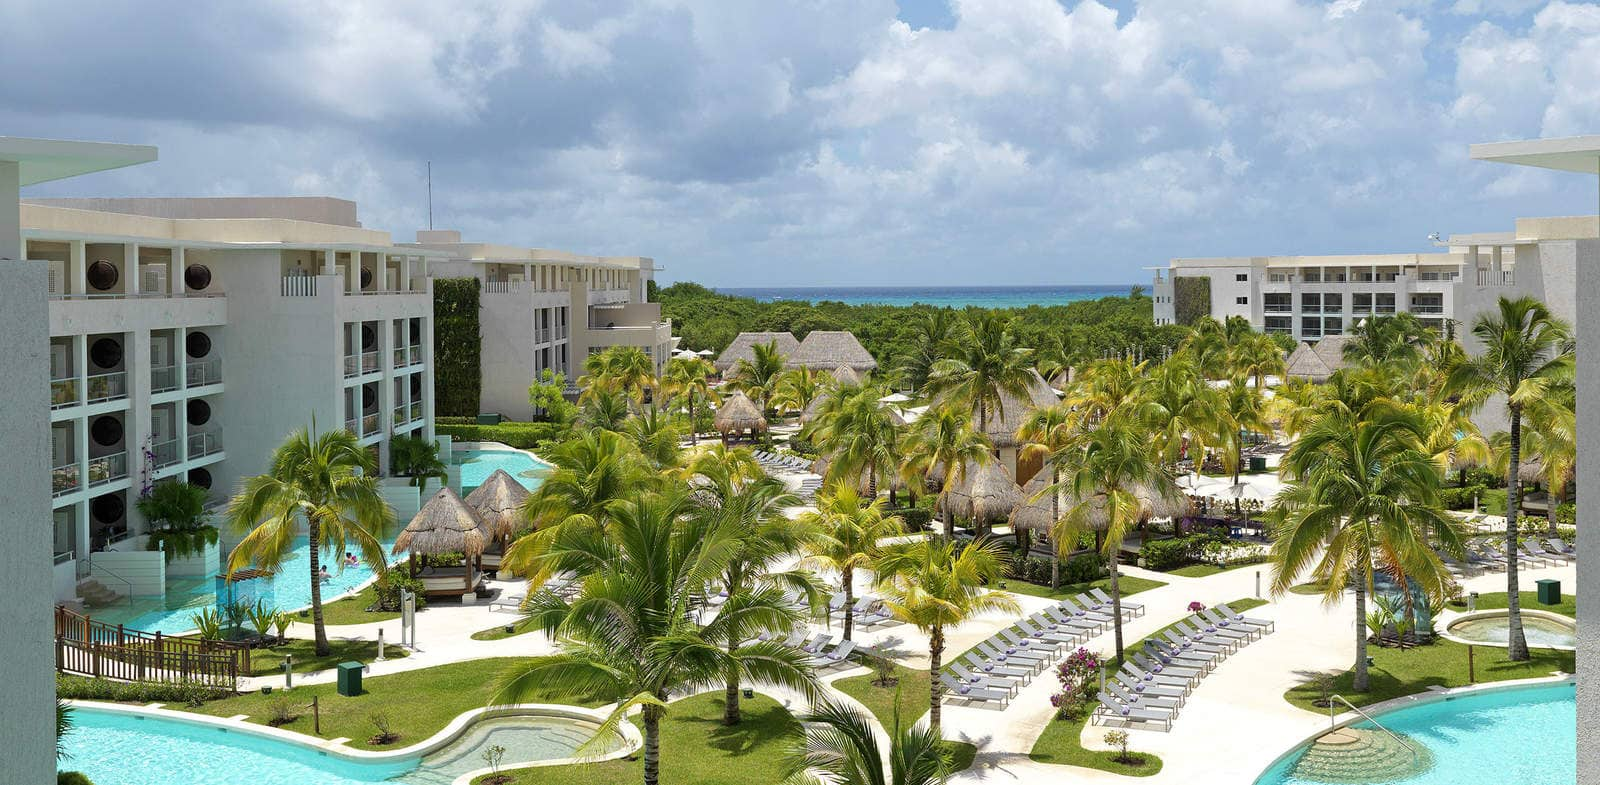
(1460, 498)
(521, 435)
(388, 588)
(72, 778)
(1164, 555)
(1485, 477)
(86, 688)
(916, 518)
(1567, 514)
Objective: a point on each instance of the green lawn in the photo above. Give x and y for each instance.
(1443, 663)
(268, 661)
(1314, 587)
(1492, 601)
(1061, 742)
(910, 692)
(352, 610)
(519, 625)
(1130, 585)
(1207, 570)
(418, 703)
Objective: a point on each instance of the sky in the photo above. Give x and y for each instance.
(836, 142)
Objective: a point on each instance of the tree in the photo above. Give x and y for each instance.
(547, 393)
(177, 514)
(936, 584)
(1056, 356)
(1387, 340)
(1549, 433)
(985, 364)
(796, 388)
(1257, 356)
(1363, 496)
(1045, 432)
(603, 409)
(841, 743)
(656, 436)
(630, 631)
(1526, 352)
(943, 441)
(845, 532)
(329, 482)
(689, 379)
(758, 376)
(859, 434)
(619, 369)
(593, 472)
(1181, 408)
(1242, 412)
(417, 458)
(930, 334)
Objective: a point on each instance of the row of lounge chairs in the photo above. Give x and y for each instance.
(772, 461)
(1530, 553)
(1155, 683)
(995, 669)
(561, 585)
(822, 657)
(867, 612)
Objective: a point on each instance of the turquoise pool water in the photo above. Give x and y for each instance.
(1527, 736)
(121, 749)
(477, 465)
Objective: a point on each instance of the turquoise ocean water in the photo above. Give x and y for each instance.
(953, 296)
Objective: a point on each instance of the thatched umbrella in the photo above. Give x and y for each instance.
(739, 414)
(498, 505)
(444, 525)
(988, 495)
(890, 481)
(815, 407)
(1034, 514)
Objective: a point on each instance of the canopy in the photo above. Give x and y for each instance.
(444, 525)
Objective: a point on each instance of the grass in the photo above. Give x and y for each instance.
(265, 662)
(418, 703)
(910, 693)
(352, 610)
(1494, 600)
(1493, 501)
(1314, 587)
(1443, 663)
(520, 626)
(1130, 585)
(1206, 570)
(1061, 742)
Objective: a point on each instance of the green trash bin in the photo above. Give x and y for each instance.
(1258, 463)
(489, 419)
(1549, 591)
(350, 679)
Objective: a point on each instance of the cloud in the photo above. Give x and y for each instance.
(832, 142)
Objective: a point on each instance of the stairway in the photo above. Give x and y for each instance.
(1358, 755)
(96, 595)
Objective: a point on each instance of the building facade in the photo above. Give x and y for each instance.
(544, 309)
(188, 337)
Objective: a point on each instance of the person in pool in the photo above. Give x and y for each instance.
(349, 559)
(324, 575)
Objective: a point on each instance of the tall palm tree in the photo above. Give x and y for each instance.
(1110, 476)
(630, 632)
(1363, 496)
(931, 332)
(603, 409)
(724, 464)
(1056, 355)
(326, 481)
(619, 369)
(796, 388)
(593, 472)
(1257, 356)
(841, 744)
(758, 376)
(1208, 344)
(1526, 352)
(986, 363)
(656, 436)
(1549, 433)
(1180, 408)
(943, 440)
(1387, 340)
(933, 585)
(1103, 387)
(845, 532)
(1242, 412)
(690, 379)
(1045, 432)
(858, 434)
(418, 458)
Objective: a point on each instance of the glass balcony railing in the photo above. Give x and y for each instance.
(401, 359)
(369, 362)
(163, 378)
(402, 415)
(108, 387)
(416, 411)
(370, 424)
(108, 468)
(165, 453)
(64, 479)
(199, 373)
(63, 393)
(353, 425)
(203, 444)
(416, 354)
(352, 365)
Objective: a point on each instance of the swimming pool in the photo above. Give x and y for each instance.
(477, 465)
(525, 739)
(1523, 735)
(1542, 630)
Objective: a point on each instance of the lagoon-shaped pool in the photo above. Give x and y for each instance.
(477, 465)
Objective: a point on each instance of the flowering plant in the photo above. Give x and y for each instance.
(1196, 607)
(1076, 674)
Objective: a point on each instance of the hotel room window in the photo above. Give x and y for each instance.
(1241, 276)
(1241, 300)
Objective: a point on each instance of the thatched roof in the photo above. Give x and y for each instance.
(885, 481)
(1168, 504)
(1306, 363)
(498, 504)
(988, 495)
(1003, 424)
(743, 348)
(1530, 469)
(444, 525)
(815, 407)
(739, 413)
(846, 375)
(1033, 514)
(1331, 350)
(831, 349)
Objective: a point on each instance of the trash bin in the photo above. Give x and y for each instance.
(1549, 591)
(489, 419)
(350, 679)
(1258, 463)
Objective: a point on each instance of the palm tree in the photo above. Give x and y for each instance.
(858, 434)
(1208, 345)
(177, 515)
(1526, 352)
(935, 584)
(417, 458)
(1110, 476)
(1387, 340)
(1257, 356)
(1056, 356)
(723, 464)
(1242, 412)
(1550, 434)
(986, 364)
(931, 331)
(619, 369)
(758, 376)
(1046, 431)
(1103, 387)
(603, 409)
(689, 378)
(844, 537)
(593, 472)
(796, 388)
(327, 481)
(840, 743)
(943, 440)
(656, 436)
(1181, 408)
(630, 632)
(1364, 492)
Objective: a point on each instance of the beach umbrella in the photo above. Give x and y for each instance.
(444, 525)
(498, 504)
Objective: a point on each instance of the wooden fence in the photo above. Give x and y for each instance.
(90, 648)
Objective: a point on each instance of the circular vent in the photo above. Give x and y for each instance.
(197, 344)
(106, 352)
(369, 338)
(106, 431)
(197, 277)
(366, 277)
(369, 399)
(102, 274)
(200, 477)
(199, 412)
(108, 509)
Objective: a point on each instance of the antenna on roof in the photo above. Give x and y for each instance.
(430, 196)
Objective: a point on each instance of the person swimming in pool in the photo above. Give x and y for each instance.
(324, 575)
(349, 559)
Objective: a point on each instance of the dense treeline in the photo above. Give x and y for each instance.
(1092, 328)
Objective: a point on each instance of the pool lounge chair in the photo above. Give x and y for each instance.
(1104, 608)
(1166, 692)
(1109, 710)
(986, 681)
(1084, 614)
(1136, 608)
(1137, 674)
(1559, 545)
(1065, 617)
(1199, 627)
(1060, 639)
(1225, 623)
(1533, 548)
(838, 657)
(1154, 664)
(1187, 654)
(1022, 673)
(1000, 657)
(1217, 649)
(958, 691)
(1049, 622)
(1014, 640)
(1267, 624)
(1141, 700)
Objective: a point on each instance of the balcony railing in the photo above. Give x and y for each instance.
(203, 444)
(200, 373)
(65, 556)
(501, 287)
(401, 415)
(353, 425)
(1493, 278)
(561, 332)
(400, 358)
(108, 386)
(1433, 309)
(369, 362)
(1278, 308)
(416, 354)
(299, 286)
(541, 335)
(165, 453)
(352, 365)
(163, 378)
(370, 424)
(416, 410)
(108, 468)
(63, 393)
(64, 479)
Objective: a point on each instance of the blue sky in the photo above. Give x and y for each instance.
(836, 142)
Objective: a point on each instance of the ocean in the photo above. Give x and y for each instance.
(954, 296)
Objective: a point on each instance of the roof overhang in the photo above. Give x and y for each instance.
(1569, 154)
(43, 160)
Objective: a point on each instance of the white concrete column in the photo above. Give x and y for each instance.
(328, 262)
(77, 267)
(10, 210)
(130, 268)
(175, 272)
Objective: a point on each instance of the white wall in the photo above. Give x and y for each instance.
(1588, 301)
(199, 565)
(144, 573)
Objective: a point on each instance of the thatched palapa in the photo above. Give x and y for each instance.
(498, 504)
(743, 348)
(1317, 362)
(1034, 514)
(1001, 426)
(831, 349)
(738, 414)
(846, 375)
(444, 525)
(988, 496)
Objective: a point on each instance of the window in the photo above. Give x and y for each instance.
(1280, 302)
(1310, 302)
(1241, 277)
(1241, 300)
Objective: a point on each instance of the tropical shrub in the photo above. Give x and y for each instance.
(388, 587)
(73, 778)
(177, 512)
(1461, 498)
(1165, 555)
(85, 688)
(1077, 675)
(521, 435)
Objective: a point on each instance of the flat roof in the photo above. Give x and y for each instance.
(43, 160)
(1568, 154)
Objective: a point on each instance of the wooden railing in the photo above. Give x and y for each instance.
(90, 648)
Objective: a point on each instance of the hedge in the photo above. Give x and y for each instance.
(1191, 298)
(522, 435)
(457, 373)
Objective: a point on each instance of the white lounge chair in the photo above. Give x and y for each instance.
(1110, 709)
(1268, 624)
(957, 690)
(1128, 606)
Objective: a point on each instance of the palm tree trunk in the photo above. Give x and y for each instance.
(1360, 684)
(652, 745)
(949, 521)
(1517, 643)
(314, 540)
(1055, 515)
(935, 687)
(694, 433)
(1558, 497)
(730, 699)
(1116, 597)
(848, 575)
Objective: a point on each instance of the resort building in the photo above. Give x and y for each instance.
(188, 337)
(822, 350)
(544, 309)
(1309, 297)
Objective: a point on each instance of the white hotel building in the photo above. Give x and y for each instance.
(1309, 297)
(188, 337)
(549, 309)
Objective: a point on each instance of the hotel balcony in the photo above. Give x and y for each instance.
(163, 378)
(360, 364)
(64, 479)
(205, 443)
(203, 373)
(107, 387)
(165, 453)
(108, 468)
(64, 393)
(370, 424)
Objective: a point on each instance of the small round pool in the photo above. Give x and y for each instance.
(1522, 735)
(1542, 629)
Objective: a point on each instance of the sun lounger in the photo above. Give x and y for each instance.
(1158, 664)
(1046, 636)
(839, 656)
(1533, 548)
(1021, 644)
(1218, 649)
(1022, 673)
(1561, 545)
(1136, 608)
(1152, 690)
(1140, 700)
(957, 690)
(1221, 623)
(1082, 614)
(1187, 654)
(1065, 618)
(1020, 658)
(1142, 676)
(1267, 624)
(986, 681)
(1197, 627)
(512, 602)
(1110, 709)
(817, 643)
(1060, 625)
